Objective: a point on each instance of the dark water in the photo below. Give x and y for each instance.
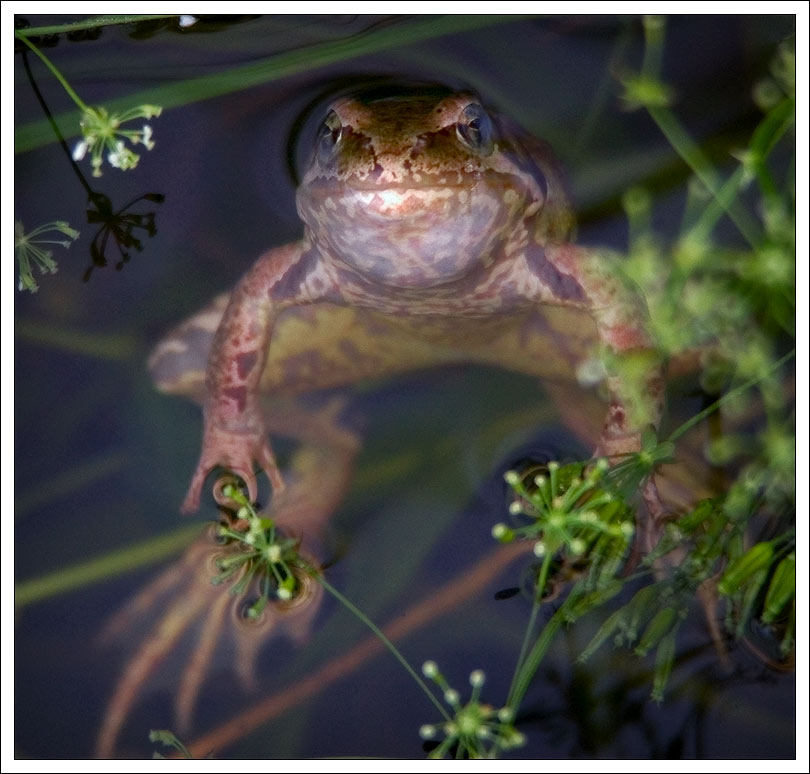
(102, 461)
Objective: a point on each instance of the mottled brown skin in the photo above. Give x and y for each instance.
(433, 233)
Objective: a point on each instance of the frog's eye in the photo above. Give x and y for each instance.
(474, 129)
(329, 136)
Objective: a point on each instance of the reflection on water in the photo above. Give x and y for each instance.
(411, 545)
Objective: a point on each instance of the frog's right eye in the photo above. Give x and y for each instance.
(474, 129)
(329, 136)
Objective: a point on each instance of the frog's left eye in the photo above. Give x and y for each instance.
(329, 136)
(474, 129)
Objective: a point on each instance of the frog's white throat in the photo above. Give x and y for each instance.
(416, 237)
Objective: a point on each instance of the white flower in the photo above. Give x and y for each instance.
(146, 139)
(80, 150)
(122, 157)
(102, 132)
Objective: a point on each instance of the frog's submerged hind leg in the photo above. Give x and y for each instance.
(160, 641)
(183, 596)
(177, 364)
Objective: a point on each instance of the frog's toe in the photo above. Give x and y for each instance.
(192, 500)
(245, 475)
(292, 619)
(181, 602)
(267, 460)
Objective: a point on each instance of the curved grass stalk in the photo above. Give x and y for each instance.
(80, 103)
(527, 638)
(88, 24)
(105, 346)
(76, 477)
(680, 140)
(39, 133)
(691, 153)
(104, 567)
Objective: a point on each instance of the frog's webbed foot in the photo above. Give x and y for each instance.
(183, 596)
(236, 452)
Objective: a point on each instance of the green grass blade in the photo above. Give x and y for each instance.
(103, 567)
(38, 133)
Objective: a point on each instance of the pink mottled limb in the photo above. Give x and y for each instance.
(622, 322)
(592, 280)
(236, 452)
(235, 435)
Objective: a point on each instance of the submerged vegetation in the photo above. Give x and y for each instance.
(102, 132)
(730, 301)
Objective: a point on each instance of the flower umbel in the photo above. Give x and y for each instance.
(476, 730)
(168, 739)
(257, 552)
(102, 133)
(569, 508)
(28, 250)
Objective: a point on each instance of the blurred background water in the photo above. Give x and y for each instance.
(102, 460)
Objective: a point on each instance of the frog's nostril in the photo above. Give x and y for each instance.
(418, 146)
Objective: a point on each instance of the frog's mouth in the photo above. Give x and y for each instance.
(406, 236)
(408, 202)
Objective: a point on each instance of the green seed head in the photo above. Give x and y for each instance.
(477, 678)
(429, 669)
(511, 477)
(427, 731)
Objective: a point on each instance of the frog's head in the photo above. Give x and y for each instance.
(424, 187)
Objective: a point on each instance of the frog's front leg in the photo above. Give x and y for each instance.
(235, 435)
(591, 279)
(569, 275)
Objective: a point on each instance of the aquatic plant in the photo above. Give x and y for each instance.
(29, 250)
(101, 129)
(700, 553)
(579, 524)
(168, 739)
(102, 132)
(475, 730)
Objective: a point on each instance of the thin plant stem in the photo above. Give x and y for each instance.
(765, 138)
(56, 74)
(532, 662)
(699, 417)
(688, 150)
(680, 140)
(379, 633)
(715, 208)
(55, 126)
(524, 648)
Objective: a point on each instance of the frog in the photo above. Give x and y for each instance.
(435, 232)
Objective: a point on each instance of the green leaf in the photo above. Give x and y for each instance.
(744, 568)
(782, 588)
